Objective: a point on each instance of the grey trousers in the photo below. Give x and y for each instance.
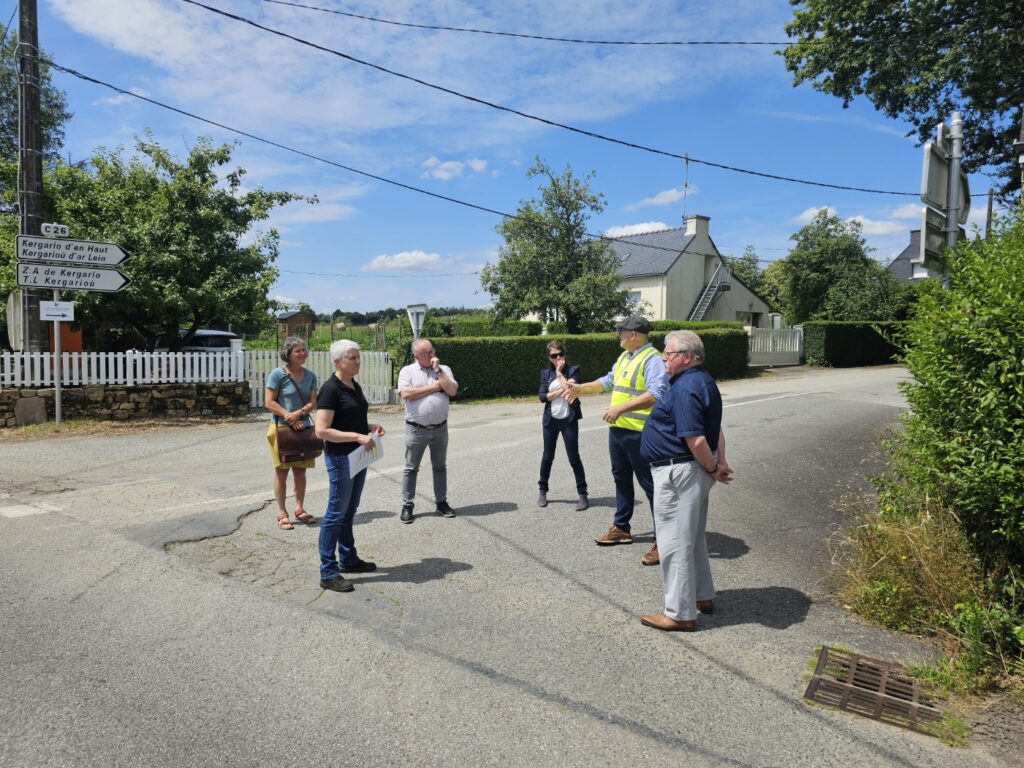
(417, 440)
(681, 512)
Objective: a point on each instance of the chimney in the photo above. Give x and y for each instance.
(697, 225)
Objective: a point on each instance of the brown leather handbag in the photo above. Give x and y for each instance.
(296, 444)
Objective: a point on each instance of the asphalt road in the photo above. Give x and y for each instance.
(154, 615)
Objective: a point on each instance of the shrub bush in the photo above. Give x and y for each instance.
(964, 437)
(510, 366)
(456, 327)
(847, 344)
(555, 328)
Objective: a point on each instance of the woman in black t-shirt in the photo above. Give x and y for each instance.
(341, 421)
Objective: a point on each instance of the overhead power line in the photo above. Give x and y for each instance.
(309, 155)
(519, 34)
(545, 121)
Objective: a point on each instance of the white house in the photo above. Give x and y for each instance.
(682, 276)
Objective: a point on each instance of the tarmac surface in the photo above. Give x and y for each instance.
(154, 614)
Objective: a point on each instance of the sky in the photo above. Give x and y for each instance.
(367, 244)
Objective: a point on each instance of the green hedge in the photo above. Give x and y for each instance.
(510, 366)
(556, 328)
(846, 345)
(455, 327)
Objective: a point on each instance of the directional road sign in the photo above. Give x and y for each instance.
(67, 278)
(57, 310)
(80, 252)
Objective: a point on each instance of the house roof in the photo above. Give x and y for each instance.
(640, 261)
(900, 267)
(292, 313)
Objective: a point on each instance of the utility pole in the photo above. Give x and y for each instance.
(30, 194)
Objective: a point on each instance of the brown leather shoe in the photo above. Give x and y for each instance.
(667, 623)
(614, 535)
(706, 606)
(651, 556)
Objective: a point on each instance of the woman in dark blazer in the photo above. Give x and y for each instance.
(560, 418)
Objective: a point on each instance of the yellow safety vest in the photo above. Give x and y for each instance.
(627, 383)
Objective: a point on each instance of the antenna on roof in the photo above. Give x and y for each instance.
(686, 184)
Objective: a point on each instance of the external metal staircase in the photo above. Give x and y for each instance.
(720, 281)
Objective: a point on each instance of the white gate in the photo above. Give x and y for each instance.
(374, 373)
(769, 346)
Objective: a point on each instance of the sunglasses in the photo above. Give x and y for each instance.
(556, 355)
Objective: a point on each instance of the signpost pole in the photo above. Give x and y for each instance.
(953, 201)
(58, 373)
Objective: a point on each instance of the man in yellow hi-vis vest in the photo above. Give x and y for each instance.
(636, 381)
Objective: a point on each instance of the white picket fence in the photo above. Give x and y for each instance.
(374, 377)
(35, 369)
(770, 346)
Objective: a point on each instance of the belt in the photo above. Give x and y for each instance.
(428, 426)
(673, 460)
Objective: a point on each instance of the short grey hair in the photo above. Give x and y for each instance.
(289, 346)
(340, 348)
(421, 340)
(687, 341)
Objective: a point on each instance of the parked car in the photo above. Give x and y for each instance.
(206, 340)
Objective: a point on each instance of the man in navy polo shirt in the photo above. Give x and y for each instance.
(682, 440)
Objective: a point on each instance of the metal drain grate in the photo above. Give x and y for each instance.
(872, 688)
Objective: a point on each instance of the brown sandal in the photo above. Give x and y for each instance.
(304, 517)
(284, 523)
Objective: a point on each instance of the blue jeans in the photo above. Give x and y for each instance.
(336, 527)
(570, 431)
(624, 450)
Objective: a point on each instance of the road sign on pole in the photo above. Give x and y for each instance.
(61, 311)
(65, 278)
(81, 252)
(417, 313)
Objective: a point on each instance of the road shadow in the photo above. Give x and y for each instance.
(725, 547)
(367, 516)
(428, 569)
(772, 607)
(478, 510)
(602, 501)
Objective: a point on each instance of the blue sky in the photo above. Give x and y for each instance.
(368, 245)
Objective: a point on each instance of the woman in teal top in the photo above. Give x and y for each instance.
(291, 398)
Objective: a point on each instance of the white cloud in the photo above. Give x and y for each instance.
(288, 301)
(636, 229)
(407, 261)
(449, 169)
(665, 197)
(308, 213)
(908, 211)
(121, 98)
(808, 215)
(477, 164)
(874, 227)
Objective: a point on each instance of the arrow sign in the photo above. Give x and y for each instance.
(70, 278)
(82, 252)
(57, 310)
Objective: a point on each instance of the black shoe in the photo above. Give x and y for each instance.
(406, 513)
(359, 566)
(444, 509)
(337, 584)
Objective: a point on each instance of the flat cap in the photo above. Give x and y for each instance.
(636, 323)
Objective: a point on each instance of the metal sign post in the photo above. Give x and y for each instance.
(70, 265)
(945, 192)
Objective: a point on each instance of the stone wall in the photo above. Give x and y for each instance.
(120, 403)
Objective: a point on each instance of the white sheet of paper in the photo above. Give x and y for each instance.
(361, 457)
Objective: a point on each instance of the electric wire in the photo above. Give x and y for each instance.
(524, 36)
(302, 153)
(544, 120)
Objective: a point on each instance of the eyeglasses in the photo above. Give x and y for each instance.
(556, 355)
(424, 353)
(667, 353)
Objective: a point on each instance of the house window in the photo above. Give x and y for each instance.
(634, 296)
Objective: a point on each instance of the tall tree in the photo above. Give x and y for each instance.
(747, 268)
(919, 60)
(188, 227)
(54, 106)
(549, 265)
(830, 276)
